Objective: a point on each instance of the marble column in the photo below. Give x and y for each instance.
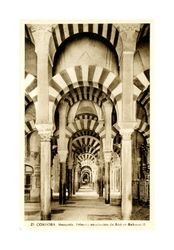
(70, 176)
(70, 170)
(127, 120)
(45, 169)
(126, 162)
(62, 192)
(62, 149)
(41, 34)
(101, 170)
(73, 180)
(101, 183)
(76, 178)
(62, 184)
(107, 146)
(100, 180)
(70, 187)
(107, 159)
(55, 174)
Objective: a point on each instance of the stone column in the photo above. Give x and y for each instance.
(45, 133)
(70, 167)
(101, 182)
(62, 187)
(107, 158)
(62, 150)
(127, 119)
(76, 178)
(41, 34)
(126, 161)
(112, 182)
(101, 170)
(55, 175)
(70, 187)
(107, 146)
(128, 34)
(70, 176)
(73, 180)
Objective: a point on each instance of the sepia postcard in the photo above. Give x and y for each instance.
(86, 124)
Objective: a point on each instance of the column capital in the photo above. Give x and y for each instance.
(107, 156)
(41, 27)
(129, 27)
(126, 133)
(126, 129)
(41, 34)
(128, 34)
(45, 131)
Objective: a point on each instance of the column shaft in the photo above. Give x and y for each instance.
(127, 79)
(70, 183)
(45, 180)
(126, 206)
(101, 183)
(76, 180)
(107, 182)
(73, 179)
(62, 187)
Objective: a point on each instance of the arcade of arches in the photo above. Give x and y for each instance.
(87, 114)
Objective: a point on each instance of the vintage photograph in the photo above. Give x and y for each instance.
(87, 121)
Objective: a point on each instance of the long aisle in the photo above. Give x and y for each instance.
(85, 205)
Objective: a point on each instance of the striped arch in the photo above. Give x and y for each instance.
(144, 129)
(85, 124)
(144, 100)
(28, 100)
(64, 31)
(84, 76)
(29, 127)
(142, 125)
(86, 157)
(31, 90)
(86, 93)
(141, 83)
(86, 144)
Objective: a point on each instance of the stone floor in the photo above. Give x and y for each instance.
(85, 205)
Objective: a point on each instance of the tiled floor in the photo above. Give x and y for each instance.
(85, 205)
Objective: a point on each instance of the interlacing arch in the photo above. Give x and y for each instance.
(88, 125)
(85, 124)
(31, 90)
(141, 84)
(86, 157)
(86, 144)
(30, 127)
(142, 121)
(84, 76)
(88, 93)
